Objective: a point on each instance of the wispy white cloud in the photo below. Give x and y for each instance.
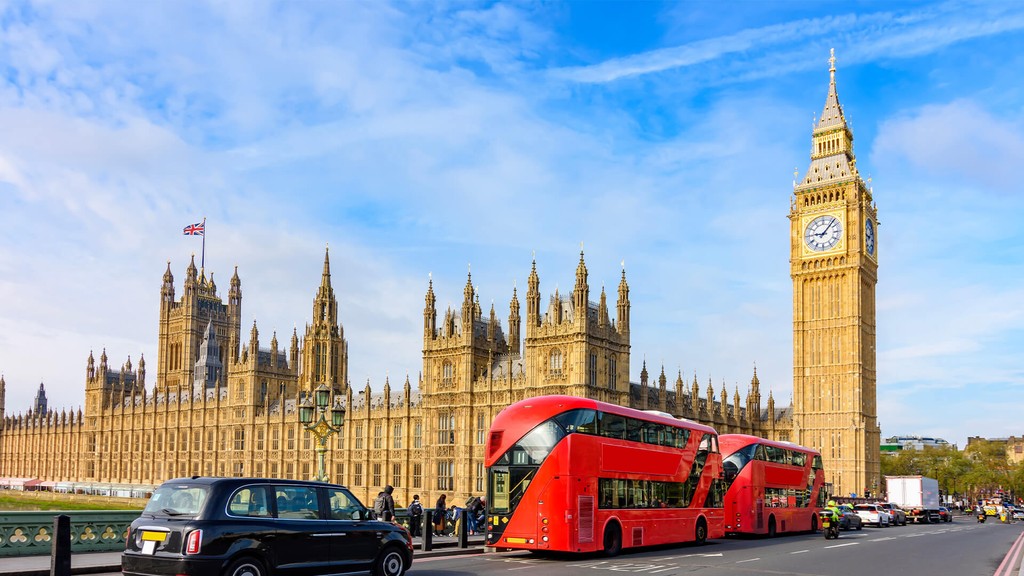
(769, 51)
(957, 139)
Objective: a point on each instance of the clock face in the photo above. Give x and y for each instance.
(823, 233)
(869, 236)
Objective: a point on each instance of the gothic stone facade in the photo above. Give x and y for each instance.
(225, 407)
(228, 407)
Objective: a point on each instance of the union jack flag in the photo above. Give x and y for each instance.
(197, 229)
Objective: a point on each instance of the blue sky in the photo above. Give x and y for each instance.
(421, 138)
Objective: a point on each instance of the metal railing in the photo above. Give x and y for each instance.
(31, 533)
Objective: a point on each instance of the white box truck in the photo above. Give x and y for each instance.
(917, 495)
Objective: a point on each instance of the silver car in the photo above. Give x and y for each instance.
(899, 517)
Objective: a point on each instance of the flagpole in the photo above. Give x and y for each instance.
(202, 258)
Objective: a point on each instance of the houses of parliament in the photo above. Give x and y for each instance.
(224, 401)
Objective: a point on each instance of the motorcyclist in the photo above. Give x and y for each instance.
(832, 508)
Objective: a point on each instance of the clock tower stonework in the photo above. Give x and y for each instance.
(834, 267)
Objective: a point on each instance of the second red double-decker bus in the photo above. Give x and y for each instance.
(773, 487)
(576, 475)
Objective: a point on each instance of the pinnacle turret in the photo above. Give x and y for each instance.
(832, 158)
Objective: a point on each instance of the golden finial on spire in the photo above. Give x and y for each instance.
(832, 62)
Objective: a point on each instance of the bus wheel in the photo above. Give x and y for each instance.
(814, 523)
(612, 539)
(700, 535)
(771, 527)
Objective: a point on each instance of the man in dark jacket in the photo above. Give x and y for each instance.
(389, 503)
(415, 516)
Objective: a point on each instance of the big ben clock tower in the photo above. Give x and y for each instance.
(834, 266)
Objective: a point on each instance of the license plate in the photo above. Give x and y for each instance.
(825, 524)
(151, 536)
(516, 540)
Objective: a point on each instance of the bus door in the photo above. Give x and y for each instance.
(759, 511)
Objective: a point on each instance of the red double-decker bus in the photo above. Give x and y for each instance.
(576, 475)
(773, 487)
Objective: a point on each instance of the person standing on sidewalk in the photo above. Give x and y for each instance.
(415, 516)
(440, 508)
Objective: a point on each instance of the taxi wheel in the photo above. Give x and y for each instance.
(247, 566)
(391, 562)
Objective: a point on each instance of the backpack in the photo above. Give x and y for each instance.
(416, 509)
(378, 506)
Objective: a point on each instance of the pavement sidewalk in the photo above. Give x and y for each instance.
(100, 562)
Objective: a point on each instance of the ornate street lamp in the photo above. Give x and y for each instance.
(321, 429)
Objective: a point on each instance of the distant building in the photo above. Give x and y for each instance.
(895, 444)
(1014, 446)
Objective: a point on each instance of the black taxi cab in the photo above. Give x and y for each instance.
(257, 526)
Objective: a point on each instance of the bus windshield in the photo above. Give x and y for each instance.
(515, 469)
(734, 463)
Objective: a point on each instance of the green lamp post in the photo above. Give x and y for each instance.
(322, 430)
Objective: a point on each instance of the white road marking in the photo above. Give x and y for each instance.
(800, 552)
(883, 539)
(841, 545)
(749, 560)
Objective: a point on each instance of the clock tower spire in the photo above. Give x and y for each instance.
(834, 267)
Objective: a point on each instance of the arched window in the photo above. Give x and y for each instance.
(555, 364)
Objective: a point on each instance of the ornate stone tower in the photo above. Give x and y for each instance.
(574, 347)
(833, 263)
(183, 324)
(324, 349)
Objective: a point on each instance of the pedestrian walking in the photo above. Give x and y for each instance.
(389, 503)
(440, 508)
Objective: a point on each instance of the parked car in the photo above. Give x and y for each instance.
(1018, 514)
(945, 514)
(873, 514)
(850, 520)
(252, 526)
(899, 516)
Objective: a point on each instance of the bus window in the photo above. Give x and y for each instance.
(760, 455)
(651, 432)
(611, 425)
(816, 463)
(536, 445)
(707, 444)
(519, 481)
(582, 421)
(734, 463)
(499, 491)
(633, 430)
(799, 459)
(623, 496)
(716, 494)
(682, 436)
